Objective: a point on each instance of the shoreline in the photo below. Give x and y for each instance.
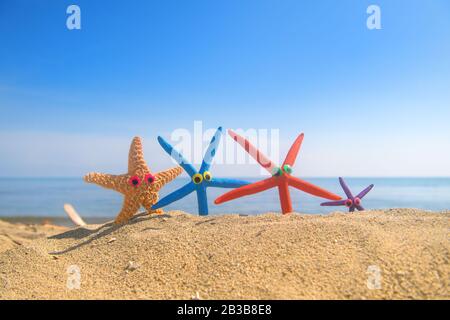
(52, 220)
(65, 221)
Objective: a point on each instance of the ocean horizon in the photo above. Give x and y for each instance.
(45, 197)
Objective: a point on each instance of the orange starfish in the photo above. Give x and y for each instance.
(139, 186)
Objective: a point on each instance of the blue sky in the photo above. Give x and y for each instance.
(371, 102)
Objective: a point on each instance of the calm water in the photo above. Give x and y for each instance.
(46, 196)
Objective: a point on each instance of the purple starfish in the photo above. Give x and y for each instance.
(352, 202)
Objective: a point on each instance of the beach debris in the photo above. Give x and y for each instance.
(112, 240)
(201, 179)
(281, 176)
(139, 186)
(132, 266)
(351, 202)
(73, 215)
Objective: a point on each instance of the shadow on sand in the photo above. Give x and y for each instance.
(100, 232)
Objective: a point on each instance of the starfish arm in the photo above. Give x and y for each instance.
(226, 183)
(285, 197)
(109, 181)
(312, 189)
(344, 186)
(360, 207)
(211, 151)
(333, 203)
(178, 157)
(202, 201)
(265, 162)
(149, 200)
(136, 161)
(293, 151)
(174, 196)
(247, 190)
(364, 192)
(351, 209)
(164, 177)
(130, 207)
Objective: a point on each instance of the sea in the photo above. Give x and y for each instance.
(45, 197)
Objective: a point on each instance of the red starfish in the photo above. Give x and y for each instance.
(281, 177)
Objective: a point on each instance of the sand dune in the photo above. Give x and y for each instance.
(403, 252)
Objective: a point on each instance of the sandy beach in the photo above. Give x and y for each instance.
(393, 254)
(13, 235)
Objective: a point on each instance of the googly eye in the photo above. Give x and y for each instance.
(134, 181)
(357, 201)
(149, 178)
(349, 203)
(276, 171)
(197, 178)
(207, 175)
(287, 168)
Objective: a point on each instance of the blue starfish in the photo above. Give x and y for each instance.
(352, 202)
(201, 179)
